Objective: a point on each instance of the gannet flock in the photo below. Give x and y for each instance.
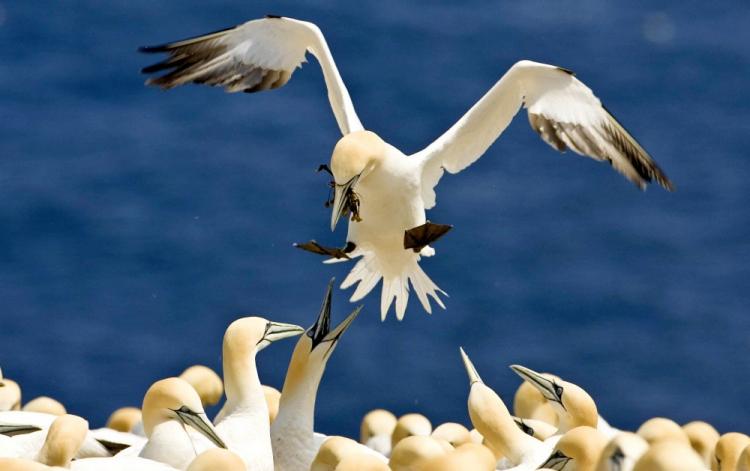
(555, 424)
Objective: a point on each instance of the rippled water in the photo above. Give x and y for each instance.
(135, 225)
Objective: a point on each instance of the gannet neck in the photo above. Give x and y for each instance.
(241, 381)
(64, 437)
(297, 402)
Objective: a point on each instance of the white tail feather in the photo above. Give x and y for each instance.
(367, 273)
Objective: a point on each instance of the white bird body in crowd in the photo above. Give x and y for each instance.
(386, 191)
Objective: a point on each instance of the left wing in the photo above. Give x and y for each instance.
(565, 113)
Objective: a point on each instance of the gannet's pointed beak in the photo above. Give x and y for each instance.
(549, 389)
(337, 332)
(340, 193)
(322, 325)
(200, 423)
(557, 461)
(277, 331)
(470, 370)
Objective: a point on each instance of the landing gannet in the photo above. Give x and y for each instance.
(243, 420)
(573, 405)
(386, 191)
(176, 424)
(376, 429)
(578, 449)
(45, 405)
(292, 433)
(622, 452)
(703, 437)
(491, 418)
(206, 382)
(728, 450)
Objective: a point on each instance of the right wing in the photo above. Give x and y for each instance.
(255, 56)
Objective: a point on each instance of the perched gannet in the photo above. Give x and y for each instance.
(176, 424)
(292, 433)
(669, 455)
(376, 429)
(45, 405)
(703, 437)
(573, 405)
(470, 456)
(124, 419)
(64, 438)
(206, 382)
(659, 429)
(453, 433)
(728, 450)
(491, 418)
(578, 449)
(409, 453)
(409, 425)
(332, 451)
(243, 420)
(10, 395)
(621, 453)
(386, 191)
(273, 396)
(529, 403)
(217, 459)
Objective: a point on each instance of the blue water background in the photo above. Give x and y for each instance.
(135, 225)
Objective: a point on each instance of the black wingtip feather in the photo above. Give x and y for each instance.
(274, 17)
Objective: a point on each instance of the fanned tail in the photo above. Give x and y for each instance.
(367, 272)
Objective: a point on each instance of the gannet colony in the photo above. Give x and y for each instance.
(551, 422)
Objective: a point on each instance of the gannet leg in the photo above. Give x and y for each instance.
(420, 237)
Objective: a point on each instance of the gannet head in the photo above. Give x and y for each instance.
(538, 429)
(248, 335)
(453, 433)
(10, 395)
(64, 437)
(45, 405)
(743, 463)
(272, 396)
(354, 156)
(217, 459)
(124, 419)
(206, 382)
(703, 438)
(376, 429)
(659, 429)
(573, 405)
(414, 449)
(470, 456)
(409, 425)
(174, 399)
(529, 403)
(669, 456)
(728, 450)
(577, 450)
(332, 451)
(361, 461)
(621, 453)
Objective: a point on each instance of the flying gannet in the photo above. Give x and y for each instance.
(385, 191)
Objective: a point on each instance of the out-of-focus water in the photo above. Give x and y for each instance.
(135, 225)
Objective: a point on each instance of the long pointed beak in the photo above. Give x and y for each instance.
(322, 325)
(201, 424)
(339, 200)
(557, 461)
(470, 370)
(277, 331)
(339, 330)
(542, 384)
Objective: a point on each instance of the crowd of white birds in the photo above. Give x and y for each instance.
(555, 423)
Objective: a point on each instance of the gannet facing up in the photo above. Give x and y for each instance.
(292, 433)
(243, 420)
(387, 192)
(573, 405)
(376, 429)
(176, 424)
(206, 383)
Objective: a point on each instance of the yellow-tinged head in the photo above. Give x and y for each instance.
(410, 452)
(728, 450)
(45, 405)
(360, 461)
(376, 422)
(703, 437)
(206, 382)
(217, 459)
(332, 451)
(660, 429)
(124, 419)
(669, 455)
(409, 425)
(453, 433)
(582, 445)
(470, 456)
(64, 437)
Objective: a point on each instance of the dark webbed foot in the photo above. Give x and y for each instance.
(334, 252)
(419, 237)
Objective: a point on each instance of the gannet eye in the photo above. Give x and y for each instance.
(558, 391)
(184, 410)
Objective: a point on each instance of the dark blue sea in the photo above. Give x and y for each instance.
(135, 225)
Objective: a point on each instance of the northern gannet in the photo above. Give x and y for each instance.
(386, 191)
(64, 438)
(243, 420)
(361, 462)
(469, 456)
(660, 429)
(539, 429)
(206, 383)
(124, 419)
(669, 455)
(409, 425)
(176, 424)
(45, 405)
(728, 450)
(578, 449)
(333, 450)
(292, 433)
(453, 433)
(622, 452)
(529, 403)
(491, 418)
(573, 405)
(376, 429)
(703, 437)
(412, 451)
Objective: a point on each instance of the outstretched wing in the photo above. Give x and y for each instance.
(565, 113)
(255, 56)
